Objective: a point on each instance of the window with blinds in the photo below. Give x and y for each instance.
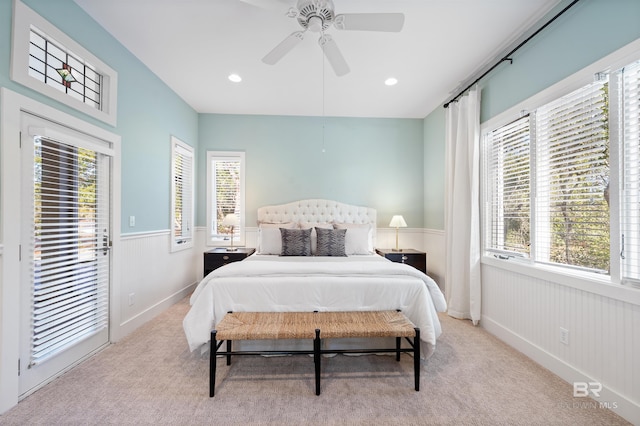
(225, 190)
(547, 180)
(629, 79)
(508, 188)
(572, 179)
(182, 211)
(70, 269)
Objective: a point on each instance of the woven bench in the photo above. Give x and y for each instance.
(314, 326)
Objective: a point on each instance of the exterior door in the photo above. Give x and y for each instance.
(65, 249)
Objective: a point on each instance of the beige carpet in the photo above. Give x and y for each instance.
(150, 377)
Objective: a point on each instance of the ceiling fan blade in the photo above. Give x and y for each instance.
(389, 22)
(333, 55)
(283, 48)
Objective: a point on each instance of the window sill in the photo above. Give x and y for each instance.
(584, 281)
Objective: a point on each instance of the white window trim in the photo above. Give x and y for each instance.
(241, 240)
(584, 281)
(23, 19)
(186, 243)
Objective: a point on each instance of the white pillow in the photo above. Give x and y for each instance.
(269, 238)
(314, 236)
(358, 239)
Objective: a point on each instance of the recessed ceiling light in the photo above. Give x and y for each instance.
(391, 81)
(235, 78)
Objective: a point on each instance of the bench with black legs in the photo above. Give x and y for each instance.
(314, 326)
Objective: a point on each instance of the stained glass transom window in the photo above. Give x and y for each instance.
(54, 65)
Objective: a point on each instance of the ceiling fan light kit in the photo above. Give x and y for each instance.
(317, 16)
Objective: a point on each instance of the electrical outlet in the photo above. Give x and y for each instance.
(564, 336)
(132, 298)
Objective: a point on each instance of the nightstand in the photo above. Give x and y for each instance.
(415, 258)
(215, 258)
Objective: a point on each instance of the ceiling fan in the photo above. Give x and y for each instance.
(317, 16)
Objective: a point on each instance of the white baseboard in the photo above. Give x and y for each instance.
(148, 314)
(609, 398)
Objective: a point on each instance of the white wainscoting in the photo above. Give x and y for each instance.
(153, 278)
(527, 311)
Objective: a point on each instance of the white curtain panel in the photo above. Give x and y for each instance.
(462, 209)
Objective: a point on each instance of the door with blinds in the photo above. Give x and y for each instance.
(65, 249)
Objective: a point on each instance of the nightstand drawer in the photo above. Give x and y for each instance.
(415, 258)
(215, 258)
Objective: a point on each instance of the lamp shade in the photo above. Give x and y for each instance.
(231, 220)
(397, 221)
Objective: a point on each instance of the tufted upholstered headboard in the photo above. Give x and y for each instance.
(318, 210)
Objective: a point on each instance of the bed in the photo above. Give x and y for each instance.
(315, 255)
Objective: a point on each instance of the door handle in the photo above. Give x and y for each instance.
(106, 244)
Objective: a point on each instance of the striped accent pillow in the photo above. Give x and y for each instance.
(330, 242)
(296, 242)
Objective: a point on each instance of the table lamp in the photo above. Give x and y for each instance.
(397, 221)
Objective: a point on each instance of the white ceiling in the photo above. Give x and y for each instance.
(193, 45)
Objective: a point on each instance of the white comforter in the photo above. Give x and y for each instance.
(355, 283)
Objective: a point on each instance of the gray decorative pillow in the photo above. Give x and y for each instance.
(296, 242)
(330, 242)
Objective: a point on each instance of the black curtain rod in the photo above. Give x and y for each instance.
(507, 56)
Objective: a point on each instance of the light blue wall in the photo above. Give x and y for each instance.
(394, 165)
(148, 112)
(369, 162)
(587, 32)
(434, 171)
(590, 30)
(373, 162)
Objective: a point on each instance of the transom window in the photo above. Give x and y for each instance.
(46, 60)
(52, 64)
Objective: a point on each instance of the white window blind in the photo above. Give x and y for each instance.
(182, 195)
(508, 188)
(69, 260)
(584, 178)
(572, 175)
(226, 195)
(227, 184)
(630, 211)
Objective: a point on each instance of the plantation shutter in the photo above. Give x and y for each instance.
(572, 150)
(227, 184)
(508, 188)
(630, 209)
(183, 194)
(69, 261)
